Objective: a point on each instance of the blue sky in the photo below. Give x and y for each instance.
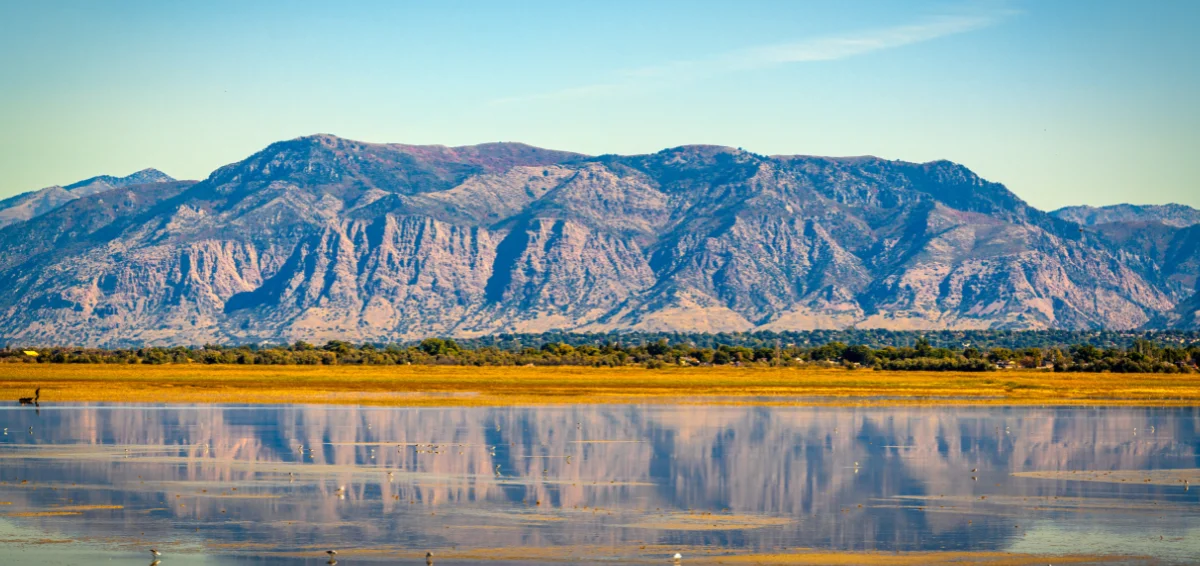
(1064, 102)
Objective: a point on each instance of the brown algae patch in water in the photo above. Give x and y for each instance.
(43, 514)
(65, 511)
(23, 541)
(88, 507)
(1181, 477)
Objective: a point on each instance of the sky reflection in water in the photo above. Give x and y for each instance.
(225, 485)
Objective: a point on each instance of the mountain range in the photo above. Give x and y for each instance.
(322, 238)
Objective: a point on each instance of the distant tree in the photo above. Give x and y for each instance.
(1085, 353)
(859, 354)
(338, 347)
(997, 355)
(658, 348)
(830, 351)
(433, 346)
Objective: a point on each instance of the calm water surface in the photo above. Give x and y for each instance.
(280, 484)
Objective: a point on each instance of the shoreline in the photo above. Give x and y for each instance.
(570, 385)
(67, 547)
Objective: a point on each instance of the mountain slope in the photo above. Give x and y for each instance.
(320, 238)
(24, 206)
(1176, 215)
(28, 205)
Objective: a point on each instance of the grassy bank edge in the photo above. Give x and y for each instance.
(465, 386)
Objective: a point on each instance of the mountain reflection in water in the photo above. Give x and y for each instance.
(611, 479)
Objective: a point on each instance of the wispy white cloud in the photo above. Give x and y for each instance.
(827, 48)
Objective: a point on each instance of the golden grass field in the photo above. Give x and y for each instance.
(465, 386)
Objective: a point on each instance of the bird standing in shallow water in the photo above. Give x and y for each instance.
(31, 400)
(155, 553)
(677, 557)
(428, 559)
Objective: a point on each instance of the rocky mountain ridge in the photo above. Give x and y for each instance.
(325, 238)
(1177, 215)
(25, 206)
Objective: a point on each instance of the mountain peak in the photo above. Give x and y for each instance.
(32, 204)
(704, 152)
(484, 148)
(103, 183)
(1177, 215)
(325, 163)
(152, 172)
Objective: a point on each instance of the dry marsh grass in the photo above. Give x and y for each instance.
(467, 386)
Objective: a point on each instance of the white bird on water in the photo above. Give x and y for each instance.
(677, 557)
(155, 553)
(428, 559)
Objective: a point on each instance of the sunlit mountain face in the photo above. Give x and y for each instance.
(231, 483)
(321, 238)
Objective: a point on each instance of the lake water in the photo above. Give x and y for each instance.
(280, 484)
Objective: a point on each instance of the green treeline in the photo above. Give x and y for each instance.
(875, 338)
(1142, 355)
